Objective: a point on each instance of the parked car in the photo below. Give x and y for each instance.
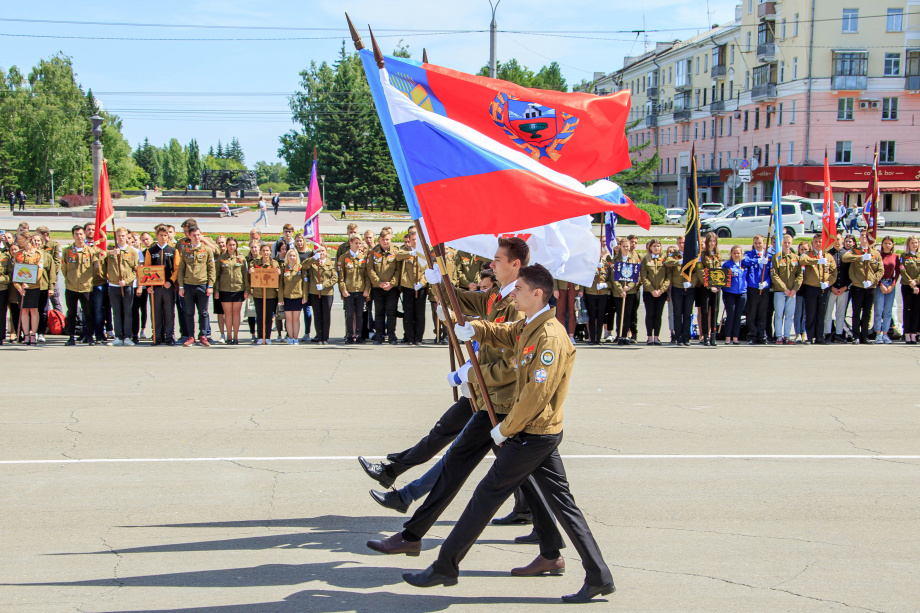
(707, 210)
(751, 218)
(673, 215)
(813, 212)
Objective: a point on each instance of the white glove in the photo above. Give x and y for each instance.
(433, 274)
(866, 257)
(687, 285)
(763, 261)
(319, 286)
(822, 261)
(413, 252)
(465, 332)
(419, 286)
(824, 285)
(497, 435)
(601, 286)
(441, 314)
(461, 375)
(317, 255)
(867, 284)
(465, 390)
(763, 285)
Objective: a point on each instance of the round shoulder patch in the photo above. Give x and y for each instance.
(547, 357)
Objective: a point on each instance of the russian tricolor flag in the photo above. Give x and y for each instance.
(463, 182)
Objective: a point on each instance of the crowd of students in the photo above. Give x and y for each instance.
(789, 297)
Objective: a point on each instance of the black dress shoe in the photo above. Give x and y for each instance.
(70, 342)
(390, 499)
(428, 578)
(377, 472)
(587, 592)
(513, 519)
(528, 539)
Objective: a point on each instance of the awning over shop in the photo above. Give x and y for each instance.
(854, 187)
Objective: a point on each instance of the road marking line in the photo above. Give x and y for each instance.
(566, 457)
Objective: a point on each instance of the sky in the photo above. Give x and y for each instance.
(236, 74)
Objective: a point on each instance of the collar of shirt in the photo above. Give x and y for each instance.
(122, 247)
(353, 254)
(537, 314)
(506, 290)
(75, 248)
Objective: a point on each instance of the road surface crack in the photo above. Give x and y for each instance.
(77, 433)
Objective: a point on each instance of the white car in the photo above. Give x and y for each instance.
(707, 210)
(673, 215)
(813, 212)
(752, 218)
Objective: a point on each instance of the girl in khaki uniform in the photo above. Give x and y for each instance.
(909, 268)
(29, 294)
(229, 286)
(596, 297)
(6, 271)
(270, 293)
(708, 298)
(655, 279)
(321, 279)
(786, 276)
(292, 293)
(865, 273)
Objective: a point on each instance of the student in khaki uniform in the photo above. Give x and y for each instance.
(78, 263)
(655, 280)
(121, 272)
(265, 260)
(820, 273)
(102, 308)
(292, 293)
(627, 290)
(682, 295)
(414, 289)
(29, 295)
(786, 277)
(320, 278)
(708, 298)
(596, 300)
(383, 275)
(353, 287)
(195, 277)
(865, 273)
(53, 248)
(6, 272)
(530, 435)
(467, 268)
(229, 284)
(909, 270)
(352, 228)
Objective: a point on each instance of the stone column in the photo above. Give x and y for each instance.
(97, 153)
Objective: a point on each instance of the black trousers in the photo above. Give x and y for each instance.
(440, 436)
(354, 314)
(139, 312)
(467, 452)
(624, 313)
(4, 305)
(72, 299)
(682, 300)
(42, 312)
(734, 305)
(322, 315)
(610, 313)
(653, 309)
(521, 456)
(756, 312)
(196, 299)
(911, 302)
(708, 301)
(633, 320)
(121, 310)
(367, 322)
(385, 303)
(815, 309)
(861, 300)
(414, 313)
(164, 304)
(271, 305)
(596, 305)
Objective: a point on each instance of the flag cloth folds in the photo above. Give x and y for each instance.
(105, 212)
(464, 183)
(829, 216)
(692, 230)
(610, 230)
(314, 207)
(870, 210)
(776, 211)
(578, 134)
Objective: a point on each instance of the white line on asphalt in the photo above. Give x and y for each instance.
(623, 456)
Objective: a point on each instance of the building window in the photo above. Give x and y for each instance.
(782, 72)
(696, 131)
(795, 24)
(704, 130)
(750, 6)
(729, 126)
(767, 117)
(697, 92)
(850, 21)
(779, 153)
(712, 161)
(732, 47)
(845, 109)
(792, 113)
(747, 80)
(844, 154)
(749, 42)
(744, 154)
(765, 33)
(895, 20)
(756, 119)
(779, 119)
(706, 63)
(746, 120)
(892, 64)
(766, 155)
(791, 150)
(782, 29)
(889, 109)
(795, 68)
(721, 126)
(851, 70)
(886, 152)
(712, 128)
(667, 165)
(697, 64)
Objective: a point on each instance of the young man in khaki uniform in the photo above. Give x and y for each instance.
(414, 289)
(866, 271)
(353, 287)
(383, 275)
(467, 268)
(121, 272)
(820, 274)
(528, 436)
(195, 276)
(78, 263)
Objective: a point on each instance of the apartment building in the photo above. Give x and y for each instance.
(784, 81)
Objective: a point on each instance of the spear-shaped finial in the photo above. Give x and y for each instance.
(378, 55)
(424, 56)
(355, 37)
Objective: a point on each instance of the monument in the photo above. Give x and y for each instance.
(228, 181)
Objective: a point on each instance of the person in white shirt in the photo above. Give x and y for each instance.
(262, 213)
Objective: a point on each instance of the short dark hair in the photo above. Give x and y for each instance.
(191, 228)
(162, 229)
(88, 224)
(75, 228)
(538, 277)
(188, 223)
(517, 249)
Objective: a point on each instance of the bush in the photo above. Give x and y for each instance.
(276, 187)
(73, 200)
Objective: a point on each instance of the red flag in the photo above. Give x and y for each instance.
(314, 207)
(829, 217)
(870, 209)
(105, 212)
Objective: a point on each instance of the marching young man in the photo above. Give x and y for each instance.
(529, 436)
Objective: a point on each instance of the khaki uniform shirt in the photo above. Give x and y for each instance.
(6, 270)
(382, 267)
(908, 265)
(230, 273)
(78, 268)
(601, 276)
(673, 263)
(291, 281)
(121, 265)
(412, 270)
(816, 274)
(53, 248)
(860, 271)
(467, 268)
(654, 275)
(712, 262)
(543, 361)
(320, 272)
(196, 266)
(351, 272)
(786, 272)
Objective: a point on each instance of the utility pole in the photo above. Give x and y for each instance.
(493, 33)
(97, 153)
(52, 186)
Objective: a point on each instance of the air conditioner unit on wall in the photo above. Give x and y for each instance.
(863, 105)
(737, 114)
(875, 104)
(771, 108)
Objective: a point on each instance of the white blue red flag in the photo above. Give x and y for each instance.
(777, 210)
(463, 182)
(314, 208)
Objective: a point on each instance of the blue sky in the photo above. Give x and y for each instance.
(217, 89)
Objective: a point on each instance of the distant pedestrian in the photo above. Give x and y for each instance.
(22, 200)
(262, 215)
(12, 199)
(301, 198)
(344, 208)
(276, 202)
(145, 194)
(854, 219)
(269, 191)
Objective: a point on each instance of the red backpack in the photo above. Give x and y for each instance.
(56, 322)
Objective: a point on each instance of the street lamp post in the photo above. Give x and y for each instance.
(97, 153)
(52, 186)
(493, 33)
(323, 179)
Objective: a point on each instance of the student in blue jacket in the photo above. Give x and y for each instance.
(734, 295)
(756, 264)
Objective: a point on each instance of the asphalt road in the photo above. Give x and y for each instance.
(731, 479)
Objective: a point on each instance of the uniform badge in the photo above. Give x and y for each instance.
(547, 357)
(539, 376)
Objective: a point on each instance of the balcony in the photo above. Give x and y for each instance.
(718, 70)
(767, 91)
(766, 52)
(717, 108)
(651, 121)
(684, 87)
(912, 82)
(849, 82)
(766, 11)
(651, 92)
(682, 116)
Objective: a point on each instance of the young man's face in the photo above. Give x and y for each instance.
(162, 237)
(758, 243)
(505, 270)
(385, 241)
(288, 234)
(354, 244)
(526, 299)
(369, 239)
(171, 232)
(121, 237)
(78, 235)
(680, 243)
(195, 236)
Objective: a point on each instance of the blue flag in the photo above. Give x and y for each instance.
(610, 230)
(777, 211)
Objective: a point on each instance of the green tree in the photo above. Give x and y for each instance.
(270, 173)
(194, 162)
(175, 165)
(636, 181)
(212, 163)
(119, 162)
(220, 149)
(549, 77)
